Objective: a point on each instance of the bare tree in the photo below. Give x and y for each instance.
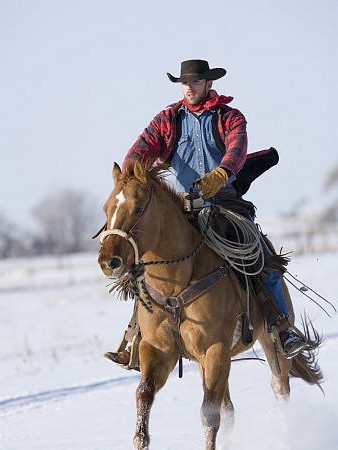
(330, 214)
(65, 221)
(12, 242)
(332, 178)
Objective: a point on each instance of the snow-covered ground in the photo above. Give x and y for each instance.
(57, 392)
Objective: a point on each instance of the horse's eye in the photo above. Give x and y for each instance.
(138, 210)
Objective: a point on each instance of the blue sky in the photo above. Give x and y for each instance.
(80, 80)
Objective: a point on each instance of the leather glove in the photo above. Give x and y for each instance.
(212, 181)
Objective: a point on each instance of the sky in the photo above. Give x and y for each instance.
(57, 392)
(81, 79)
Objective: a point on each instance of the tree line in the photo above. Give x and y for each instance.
(65, 221)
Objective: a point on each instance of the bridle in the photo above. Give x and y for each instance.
(128, 236)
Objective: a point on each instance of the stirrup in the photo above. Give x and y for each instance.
(132, 335)
(134, 357)
(274, 334)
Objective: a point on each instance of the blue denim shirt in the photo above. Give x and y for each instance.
(197, 152)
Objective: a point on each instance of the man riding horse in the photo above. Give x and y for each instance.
(205, 142)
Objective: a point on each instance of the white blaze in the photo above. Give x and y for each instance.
(120, 200)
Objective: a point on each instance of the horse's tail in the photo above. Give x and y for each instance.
(305, 364)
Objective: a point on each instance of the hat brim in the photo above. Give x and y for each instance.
(212, 74)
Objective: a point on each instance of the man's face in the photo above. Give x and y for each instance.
(195, 91)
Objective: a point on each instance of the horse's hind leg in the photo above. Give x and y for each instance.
(280, 368)
(155, 368)
(215, 368)
(227, 410)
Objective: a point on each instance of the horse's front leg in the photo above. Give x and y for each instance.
(155, 367)
(215, 368)
(145, 394)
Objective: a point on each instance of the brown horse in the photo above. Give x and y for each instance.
(145, 218)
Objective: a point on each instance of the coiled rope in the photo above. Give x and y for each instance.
(243, 254)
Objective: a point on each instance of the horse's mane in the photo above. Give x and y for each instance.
(155, 174)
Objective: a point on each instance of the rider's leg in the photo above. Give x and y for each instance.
(290, 340)
(273, 282)
(127, 352)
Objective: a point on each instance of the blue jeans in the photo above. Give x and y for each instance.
(274, 284)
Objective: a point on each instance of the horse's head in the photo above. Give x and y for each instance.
(131, 228)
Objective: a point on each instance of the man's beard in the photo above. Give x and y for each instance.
(196, 100)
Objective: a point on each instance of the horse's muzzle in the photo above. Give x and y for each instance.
(112, 267)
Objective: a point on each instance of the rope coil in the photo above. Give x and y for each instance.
(241, 255)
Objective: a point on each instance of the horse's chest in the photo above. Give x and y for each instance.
(196, 337)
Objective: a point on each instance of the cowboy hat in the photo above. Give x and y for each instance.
(197, 69)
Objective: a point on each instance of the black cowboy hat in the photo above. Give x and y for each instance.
(197, 69)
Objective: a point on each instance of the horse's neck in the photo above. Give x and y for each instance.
(176, 239)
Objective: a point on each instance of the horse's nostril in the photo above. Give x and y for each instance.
(115, 262)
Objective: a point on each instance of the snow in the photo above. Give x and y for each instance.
(58, 392)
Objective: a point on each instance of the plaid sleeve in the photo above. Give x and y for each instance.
(149, 145)
(235, 141)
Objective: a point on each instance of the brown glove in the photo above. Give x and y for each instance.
(212, 181)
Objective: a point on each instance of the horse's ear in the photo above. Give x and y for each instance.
(140, 172)
(116, 172)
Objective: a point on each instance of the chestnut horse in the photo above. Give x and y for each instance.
(145, 219)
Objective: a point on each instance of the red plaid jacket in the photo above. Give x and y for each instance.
(159, 140)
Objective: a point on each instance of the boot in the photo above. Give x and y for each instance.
(122, 357)
(292, 342)
(126, 357)
(288, 339)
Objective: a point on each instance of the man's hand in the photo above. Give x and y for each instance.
(212, 181)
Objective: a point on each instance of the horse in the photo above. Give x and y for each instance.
(147, 227)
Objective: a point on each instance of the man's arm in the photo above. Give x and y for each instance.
(235, 141)
(149, 145)
(233, 127)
